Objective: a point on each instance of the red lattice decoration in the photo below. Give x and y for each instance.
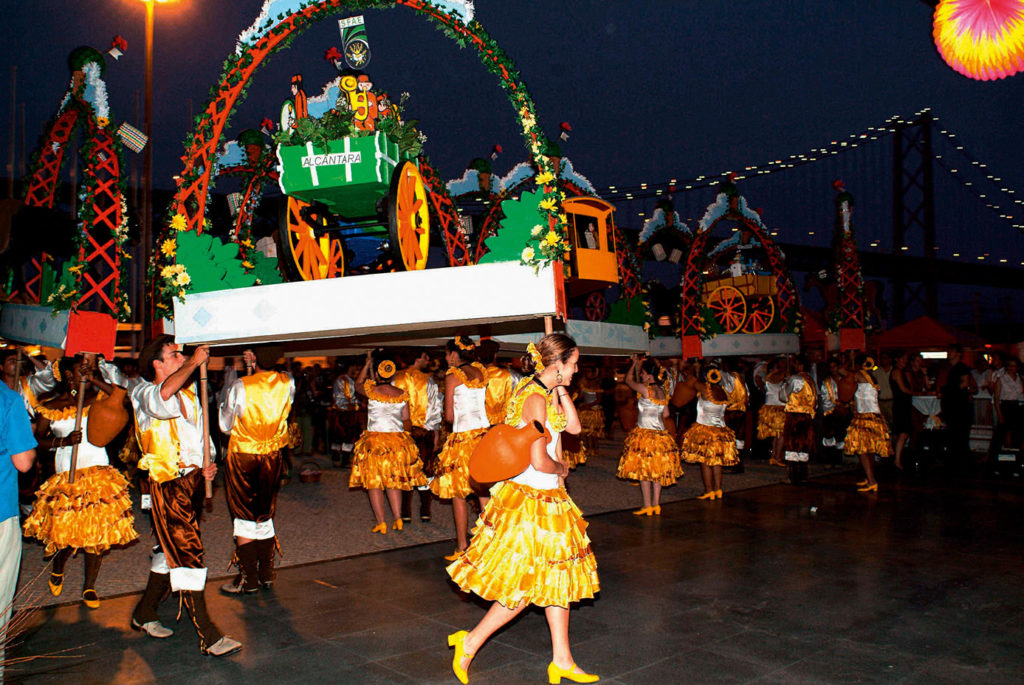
(100, 280)
(447, 216)
(257, 177)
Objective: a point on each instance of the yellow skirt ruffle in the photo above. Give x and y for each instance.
(592, 420)
(868, 434)
(386, 461)
(709, 445)
(649, 454)
(574, 457)
(528, 546)
(451, 478)
(770, 421)
(92, 514)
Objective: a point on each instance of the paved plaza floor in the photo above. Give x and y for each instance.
(920, 583)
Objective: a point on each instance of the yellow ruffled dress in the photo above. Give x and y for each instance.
(530, 544)
(385, 456)
(709, 441)
(868, 433)
(772, 417)
(591, 416)
(649, 452)
(92, 514)
(451, 478)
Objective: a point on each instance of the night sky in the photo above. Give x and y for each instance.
(653, 90)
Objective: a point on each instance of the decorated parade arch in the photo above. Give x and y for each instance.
(755, 309)
(279, 22)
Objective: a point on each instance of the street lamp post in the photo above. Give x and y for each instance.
(147, 168)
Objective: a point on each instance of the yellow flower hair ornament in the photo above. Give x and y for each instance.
(868, 365)
(714, 376)
(465, 344)
(386, 369)
(538, 365)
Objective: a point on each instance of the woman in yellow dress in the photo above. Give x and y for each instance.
(92, 514)
(385, 458)
(530, 545)
(868, 433)
(591, 413)
(649, 452)
(709, 441)
(465, 390)
(772, 416)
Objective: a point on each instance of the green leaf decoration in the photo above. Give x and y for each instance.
(631, 311)
(211, 264)
(515, 232)
(265, 269)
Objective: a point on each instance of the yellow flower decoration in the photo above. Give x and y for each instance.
(183, 279)
(548, 204)
(464, 343)
(528, 254)
(544, 178)
(538, 364)
(386, 369)
(178, 222)
(77, 268)
(248, 265)
(551, 238)
(536, 230)
(102, 121)
(167, 272)
(181, 294)
(168, 247)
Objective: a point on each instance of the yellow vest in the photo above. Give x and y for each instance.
(161, 450)
(262, 427)
(499, 390)
(738, 396)
(802, 401)
(414, 382)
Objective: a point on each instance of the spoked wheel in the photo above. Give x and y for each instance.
(409, 217)
(729, 308)
(596, 307)
(761, 313)
(309, 257)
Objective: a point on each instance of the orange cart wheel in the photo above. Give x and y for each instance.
(409, 217)
(729, 308)
(309, 257)
(761, 313)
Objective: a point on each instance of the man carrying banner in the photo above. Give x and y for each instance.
(254, 413)
(169, 427)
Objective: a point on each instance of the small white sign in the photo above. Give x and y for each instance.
(350, 21)
(332, 159)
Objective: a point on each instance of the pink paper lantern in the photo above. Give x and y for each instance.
(981, 39)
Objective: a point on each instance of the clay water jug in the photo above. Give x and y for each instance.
(504, 452)
(107, 417)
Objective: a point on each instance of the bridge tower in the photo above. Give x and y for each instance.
(913, 214)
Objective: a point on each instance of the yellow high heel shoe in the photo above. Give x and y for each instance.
(710, 494)
(655, 510)
(872, 487)
(455, 555)
(718, 494)
(458, 641)
(555, 675)
(862, 483)
(645, 511)
(56, 588)
(381, 528)
(91, 599)
(399, 524)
